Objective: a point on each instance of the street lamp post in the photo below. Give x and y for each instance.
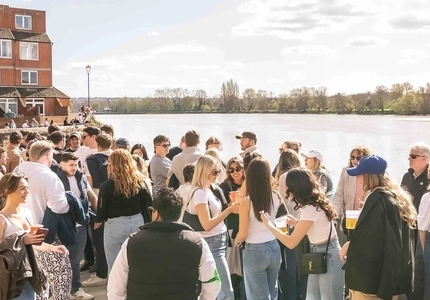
(88, 68)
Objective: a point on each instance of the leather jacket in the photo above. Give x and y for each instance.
(17, 266)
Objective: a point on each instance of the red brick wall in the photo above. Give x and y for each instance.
(38, 18)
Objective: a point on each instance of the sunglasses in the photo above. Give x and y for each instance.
(165, 145)
(216, 172)
(414, 156)
(356, 157)
(237, 169)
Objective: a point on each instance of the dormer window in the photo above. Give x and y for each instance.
(23, 22)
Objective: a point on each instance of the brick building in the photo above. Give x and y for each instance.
(26, 67)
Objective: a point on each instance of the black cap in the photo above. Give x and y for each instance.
(122, 142)
(247, 134)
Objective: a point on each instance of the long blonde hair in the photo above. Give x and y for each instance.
(128, 181)
(204, 165)
(402, 198)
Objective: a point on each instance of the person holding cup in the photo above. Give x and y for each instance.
(15, 219)
(231, 189)
(379, 255)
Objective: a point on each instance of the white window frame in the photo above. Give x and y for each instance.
(6, 102)
(29, 77)
(2, 55)
(30, 102)
(23, 22)
(28, 51)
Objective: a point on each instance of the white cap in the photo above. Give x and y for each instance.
(314, 154)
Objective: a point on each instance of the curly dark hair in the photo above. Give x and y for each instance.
(304, 188)
(168, 203)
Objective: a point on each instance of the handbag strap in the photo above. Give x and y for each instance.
(329, 238)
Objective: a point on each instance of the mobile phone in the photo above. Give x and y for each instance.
(43, 231)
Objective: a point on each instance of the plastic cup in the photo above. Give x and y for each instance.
(234, 196)
(281, 224)
(35, 228)
(352, 218)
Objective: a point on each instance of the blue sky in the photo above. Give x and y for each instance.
(135, 47)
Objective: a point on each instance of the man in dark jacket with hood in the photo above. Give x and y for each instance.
(76, 182)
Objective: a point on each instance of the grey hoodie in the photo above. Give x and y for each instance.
(45, 189)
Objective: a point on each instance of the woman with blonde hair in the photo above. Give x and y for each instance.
(203, 203)
(123, 202)
(379, 256)
(314, 162)
(217, 155)
(141, 166)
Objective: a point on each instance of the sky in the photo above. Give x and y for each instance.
(137, 46)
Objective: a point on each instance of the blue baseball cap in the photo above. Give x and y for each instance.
(371, 164)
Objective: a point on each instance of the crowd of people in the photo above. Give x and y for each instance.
(184, 224)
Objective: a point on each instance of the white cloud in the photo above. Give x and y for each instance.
(411, 56)
(139, 57)
(274, 80)
(301, 19)
(296, 62)
(153, 33)
(367, 42)
(404, 20)
(59, 73)
(139, 75)
(320, 50)
(179, 48)
(235, 65)
(196, 67)
(105, 63)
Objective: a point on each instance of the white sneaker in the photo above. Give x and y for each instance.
(81, 295)
(94, 281)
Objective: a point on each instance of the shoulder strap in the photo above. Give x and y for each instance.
(188, 204)
(329, 238)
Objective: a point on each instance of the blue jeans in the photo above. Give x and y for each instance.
(117, 230)
(328, 286)
(261, 263)
(427, 265)
(218, 246)
(27, 293)
(75, 256)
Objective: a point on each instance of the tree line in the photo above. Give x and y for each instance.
(400, 98)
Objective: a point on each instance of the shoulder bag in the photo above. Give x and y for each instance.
(315, 263)
(193, 220)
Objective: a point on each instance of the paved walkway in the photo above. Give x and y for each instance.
(98, 292)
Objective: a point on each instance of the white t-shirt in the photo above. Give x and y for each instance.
(424, 213)
(258, 232)
(83, 152)
(320, 228)
(206, 196)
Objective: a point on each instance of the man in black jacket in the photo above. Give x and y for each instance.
(165, 259)
(76, 182)
(416, 182)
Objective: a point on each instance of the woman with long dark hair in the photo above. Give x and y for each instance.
(316, 216)
(123, 202)
(15, 219)
(262, 254)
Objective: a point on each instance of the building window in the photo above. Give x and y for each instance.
(28, 77)
(28, 51)
(5, 48)
(22, 22)
(36, 102)
(6, 104)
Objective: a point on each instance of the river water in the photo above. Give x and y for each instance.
(333, 135)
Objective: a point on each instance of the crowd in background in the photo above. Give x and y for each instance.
(187, 222)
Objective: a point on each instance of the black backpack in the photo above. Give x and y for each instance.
(97, 166)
